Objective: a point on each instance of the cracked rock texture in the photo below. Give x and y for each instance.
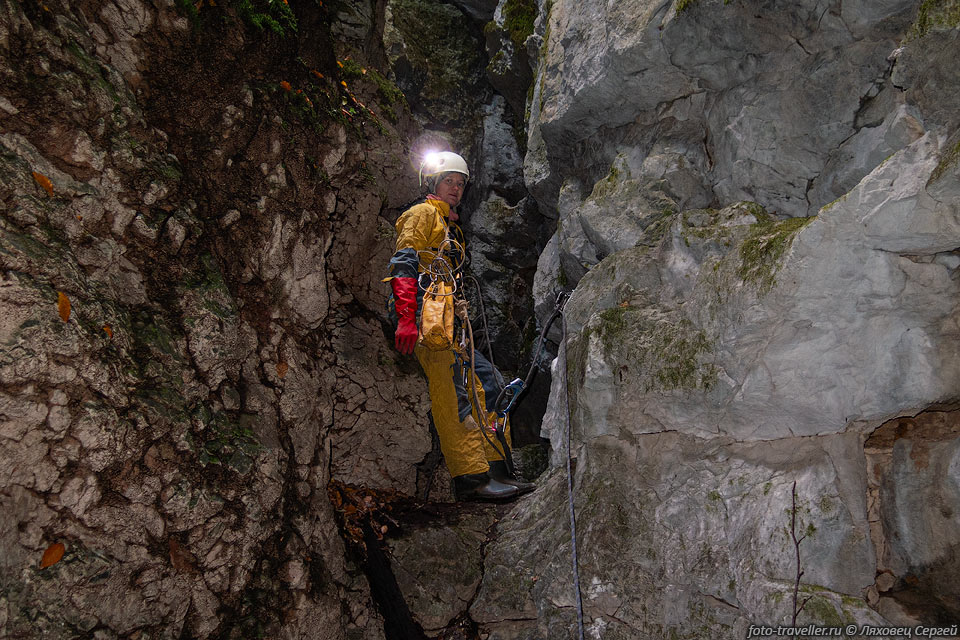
(755, 206)
(182, 184)
(759, 208)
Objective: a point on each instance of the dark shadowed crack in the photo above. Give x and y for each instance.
(398, 623)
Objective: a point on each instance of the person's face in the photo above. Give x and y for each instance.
(450, 188)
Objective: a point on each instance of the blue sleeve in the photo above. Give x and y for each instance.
(404, 264)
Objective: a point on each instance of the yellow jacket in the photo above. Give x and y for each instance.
(422, 227)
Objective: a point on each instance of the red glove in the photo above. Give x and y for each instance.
(405, 299)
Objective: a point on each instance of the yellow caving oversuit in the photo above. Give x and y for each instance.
(421, 231)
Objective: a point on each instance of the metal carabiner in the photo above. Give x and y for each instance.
(511, 392)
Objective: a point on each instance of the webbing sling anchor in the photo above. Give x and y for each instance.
(510, 394)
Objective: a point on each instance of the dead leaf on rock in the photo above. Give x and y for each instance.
(360, 507)
(181, 558)
(52, 555)
(282, 369)
(63, 306)
(44, 182)
(108, 330)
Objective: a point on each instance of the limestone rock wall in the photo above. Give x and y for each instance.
(757, 210)
(207, 197)
(755, 206)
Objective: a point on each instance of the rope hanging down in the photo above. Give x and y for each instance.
(573, 516)
(510, 395)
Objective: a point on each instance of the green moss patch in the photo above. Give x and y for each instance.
(518, 17)
(664, 351)
(934, 15)
(763, 248)
(947, 160)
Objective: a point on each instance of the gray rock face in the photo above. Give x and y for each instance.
(678, 535)
(758, 101)
(723, 345)
(779, 353)
(737, 326)
(223, 355)
(439, 568)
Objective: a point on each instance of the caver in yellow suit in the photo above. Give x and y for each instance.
(430, 244)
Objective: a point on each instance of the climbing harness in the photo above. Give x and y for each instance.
(441, 282)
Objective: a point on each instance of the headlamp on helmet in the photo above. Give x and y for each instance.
(439, 162)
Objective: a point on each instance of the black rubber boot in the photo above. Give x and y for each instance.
(498, 471)
(480, 486)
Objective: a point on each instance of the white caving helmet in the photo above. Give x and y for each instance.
(437, 163)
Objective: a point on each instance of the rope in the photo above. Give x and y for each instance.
(481, 411)
(510, 394)
(573, 516)
(486, 332)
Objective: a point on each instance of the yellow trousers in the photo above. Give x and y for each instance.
(465, 451)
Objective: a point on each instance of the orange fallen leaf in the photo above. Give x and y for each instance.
(63, 306)
(108, 330)
(181, 558)
(285, 85)
(317, 73)
(44, 182)
(340, 64)
(52, 555)
(344, 84)
(282, 369)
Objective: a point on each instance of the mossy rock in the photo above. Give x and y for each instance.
(763, 249)
(439, 45)
(518, 18)
(663, 350)
(935, 15)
